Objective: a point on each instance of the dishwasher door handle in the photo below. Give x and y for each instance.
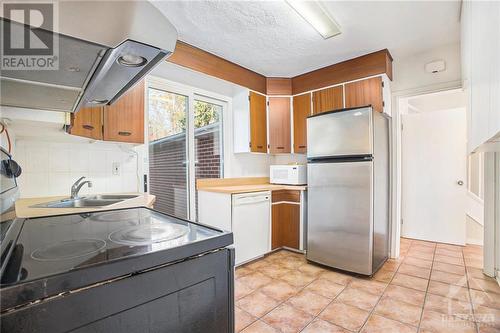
(250, 200)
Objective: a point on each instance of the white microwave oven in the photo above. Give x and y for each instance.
(293, 174)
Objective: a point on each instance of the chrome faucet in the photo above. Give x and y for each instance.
(75, 188)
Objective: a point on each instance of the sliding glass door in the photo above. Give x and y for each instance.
(185, 144)
(168, 149)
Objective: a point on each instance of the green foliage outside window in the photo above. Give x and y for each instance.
(168, 114)
(205, 114)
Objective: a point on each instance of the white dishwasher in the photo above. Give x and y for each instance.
(251, 216)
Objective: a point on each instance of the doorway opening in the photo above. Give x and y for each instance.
(441, 186)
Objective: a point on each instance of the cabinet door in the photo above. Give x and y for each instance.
(328, 99)
(365, 92)
(276, 226)
(285, 225)
(279, 125)
(258, 123)
(301, 110)
(87, 122)
(124, 119)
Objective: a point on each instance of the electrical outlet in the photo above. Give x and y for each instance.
(116, 168)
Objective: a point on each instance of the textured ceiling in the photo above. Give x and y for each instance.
(270, 38)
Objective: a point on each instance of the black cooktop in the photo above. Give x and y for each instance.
(71, 251)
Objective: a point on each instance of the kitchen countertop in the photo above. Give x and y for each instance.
(243, 185)
(24, 209)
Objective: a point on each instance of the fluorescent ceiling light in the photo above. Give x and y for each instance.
(314, 13)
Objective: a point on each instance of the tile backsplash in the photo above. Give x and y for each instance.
(49, 168)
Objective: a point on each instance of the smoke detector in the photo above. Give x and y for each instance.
(435, 66)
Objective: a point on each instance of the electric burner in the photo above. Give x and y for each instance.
(61, 244)
(148, 234)
(70, 249)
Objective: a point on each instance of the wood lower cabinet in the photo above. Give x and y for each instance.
(365, 92)
(301, 110)
(285, 195)
(87, 122)
(279, 125)
(285, 225)
(124, 119)
(258, 123)
(328, 99)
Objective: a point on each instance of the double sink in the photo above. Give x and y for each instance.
(100, 200)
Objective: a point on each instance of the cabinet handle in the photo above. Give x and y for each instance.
(302, 146)
(124, 133)
(280, 147)
(88, 127)
(259, 146)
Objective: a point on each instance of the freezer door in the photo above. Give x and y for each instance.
(340, 228)
(342, 133)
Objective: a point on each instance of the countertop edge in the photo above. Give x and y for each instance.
(254, 188)
(24, 209)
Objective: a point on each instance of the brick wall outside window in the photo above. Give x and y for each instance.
(167, 173)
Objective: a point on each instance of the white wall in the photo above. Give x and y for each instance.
(290, 158)
(476, 181)
(475, 200)
(49, 168)
(409, 72)
(474, 231)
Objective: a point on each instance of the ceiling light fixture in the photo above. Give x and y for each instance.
(314, 13)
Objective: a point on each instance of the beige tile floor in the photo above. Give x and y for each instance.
(430, 288)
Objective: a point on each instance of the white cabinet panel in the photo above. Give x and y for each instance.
(481, 69)
(494, 25)
(480, 75)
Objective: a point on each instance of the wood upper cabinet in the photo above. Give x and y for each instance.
(124, 119)
(279, 125)
(258, 123)
(328, 99)
(301, 110)
(278, 86)
(87, 122)
(365, 92)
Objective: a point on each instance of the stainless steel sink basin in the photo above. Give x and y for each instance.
(93, 201)
(79, 203)
(112, 196)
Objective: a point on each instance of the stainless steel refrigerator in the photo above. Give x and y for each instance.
(348, 189)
